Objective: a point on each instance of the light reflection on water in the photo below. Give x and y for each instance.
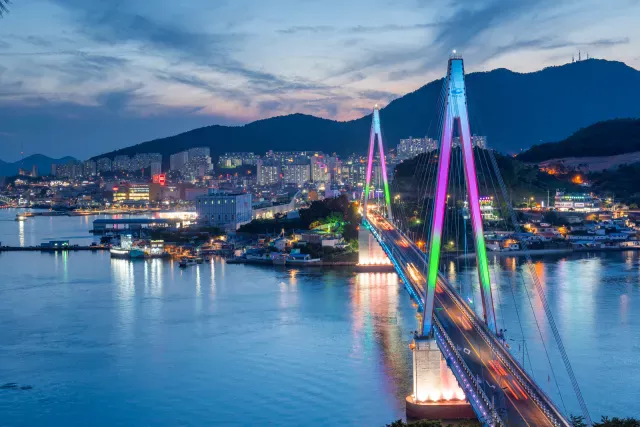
(279, 346)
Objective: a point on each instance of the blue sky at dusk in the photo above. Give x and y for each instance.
(81, 77)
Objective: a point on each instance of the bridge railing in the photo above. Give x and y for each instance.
(537, 395)
(466, 378)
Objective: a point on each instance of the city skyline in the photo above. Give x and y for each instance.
(114, 75)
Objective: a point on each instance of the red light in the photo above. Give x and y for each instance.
(162, 179)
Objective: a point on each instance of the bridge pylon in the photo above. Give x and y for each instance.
(376, 131)
(455, 113)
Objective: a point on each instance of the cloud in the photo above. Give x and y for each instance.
(307, 29)
(357, 29)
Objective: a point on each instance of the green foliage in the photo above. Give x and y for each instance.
(622, 182)
(338, 212)
(578, 421)
(606, 138)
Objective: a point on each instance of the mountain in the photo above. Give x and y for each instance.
(41, 161)
(607, 138)
(514, 111)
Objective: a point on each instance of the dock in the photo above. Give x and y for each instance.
(51, 249)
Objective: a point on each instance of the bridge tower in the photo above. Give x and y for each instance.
(455, 113)
(376, 131)
(432, 378)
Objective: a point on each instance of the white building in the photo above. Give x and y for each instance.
(411, 147)
(178, 160)
(297, 174)
(224, 210)
(268, 172)
(319, 171)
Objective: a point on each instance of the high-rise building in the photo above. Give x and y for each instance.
(411, 147)
(268, 172)
(121, 163)
(296, 173)
(89, 169)
(476, 141)
(156, 168)
(103, 164)
(319, 170)
(199, 152)
(225, 210)
(178, 160)
(233, 160)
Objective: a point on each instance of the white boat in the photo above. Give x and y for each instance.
(126, 249)
(21, 217)
(302, 259)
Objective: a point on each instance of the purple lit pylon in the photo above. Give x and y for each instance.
(455, 111)
(375, 131)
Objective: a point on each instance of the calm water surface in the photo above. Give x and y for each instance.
(106, 342)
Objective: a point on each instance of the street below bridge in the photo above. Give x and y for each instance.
(512, 402)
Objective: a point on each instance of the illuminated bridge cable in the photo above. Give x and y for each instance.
(483, 154)
(543, 298)
(553, 373)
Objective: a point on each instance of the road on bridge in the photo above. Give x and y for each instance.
(510, 399)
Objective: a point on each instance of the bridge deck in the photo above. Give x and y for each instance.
(515, 396)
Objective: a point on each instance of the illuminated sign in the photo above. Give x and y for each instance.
(159, 178)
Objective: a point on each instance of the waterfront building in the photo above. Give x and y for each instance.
(225, 210)
(126, 192)
(580, 202)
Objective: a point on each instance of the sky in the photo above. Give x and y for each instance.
(82, 77)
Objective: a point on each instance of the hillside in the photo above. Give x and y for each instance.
(41, 161)
(513, 110)
(607, 138)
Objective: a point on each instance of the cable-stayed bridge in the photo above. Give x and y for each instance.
(460, 359)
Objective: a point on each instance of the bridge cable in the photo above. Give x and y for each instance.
(543, 298)
(483, 155)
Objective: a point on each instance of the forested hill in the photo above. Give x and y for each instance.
(514, 111)
(608, 138)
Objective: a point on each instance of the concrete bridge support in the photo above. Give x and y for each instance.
(436, 394)
(369, 251)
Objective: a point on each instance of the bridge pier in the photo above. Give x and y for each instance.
(371, 256)
(436, 394)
